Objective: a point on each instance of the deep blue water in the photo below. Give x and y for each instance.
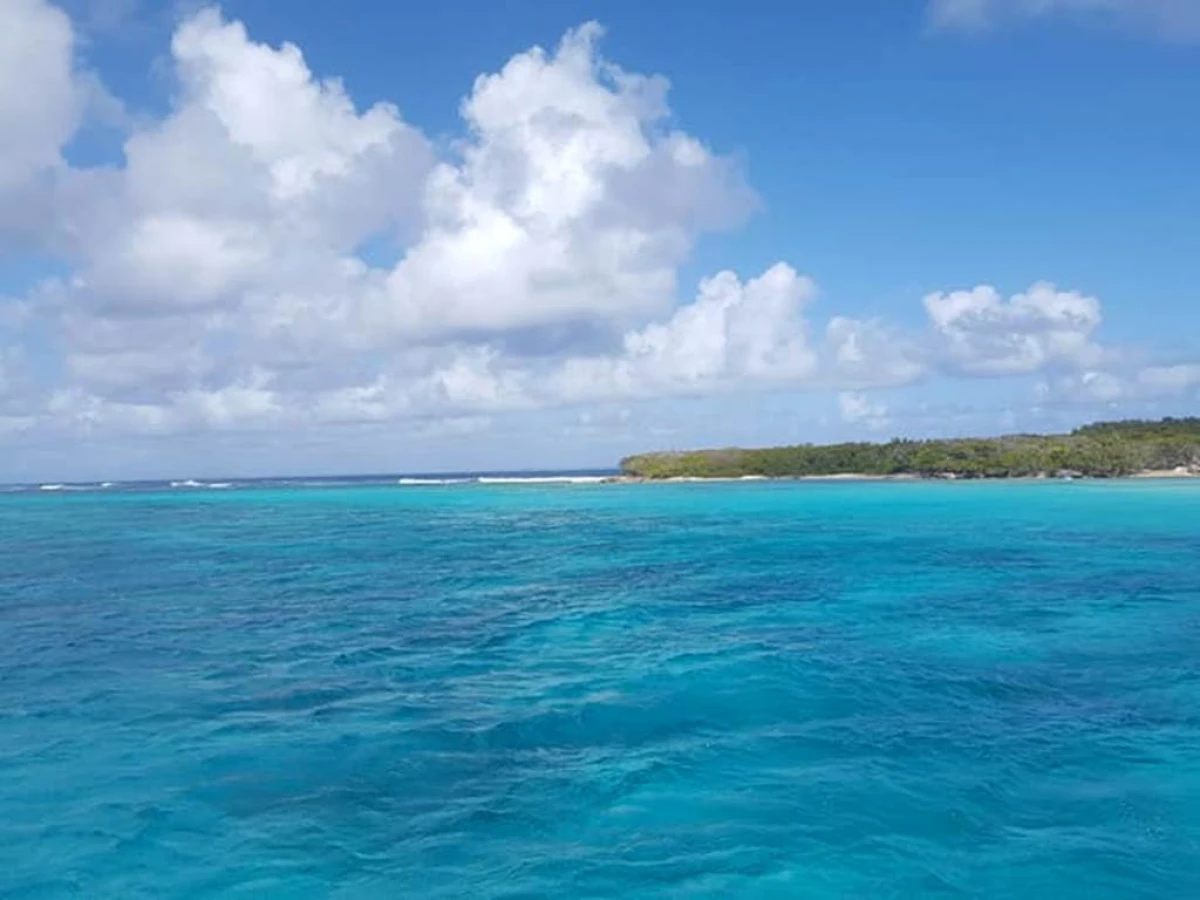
(728, 690)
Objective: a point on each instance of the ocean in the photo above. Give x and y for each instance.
(573, 690)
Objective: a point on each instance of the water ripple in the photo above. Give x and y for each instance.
(694, 691)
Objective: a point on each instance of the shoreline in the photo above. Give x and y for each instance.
(1143, 475)
(1165, 473)
(56, 489)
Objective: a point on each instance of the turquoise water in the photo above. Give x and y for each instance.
(651, 691)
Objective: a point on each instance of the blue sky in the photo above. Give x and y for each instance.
(370, 237)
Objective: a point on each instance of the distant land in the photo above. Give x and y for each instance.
(1170, 447)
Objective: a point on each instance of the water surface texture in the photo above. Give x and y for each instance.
(727, 690)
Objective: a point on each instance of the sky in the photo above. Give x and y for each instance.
(363, 236)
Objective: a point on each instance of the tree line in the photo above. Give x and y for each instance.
(1101, 450)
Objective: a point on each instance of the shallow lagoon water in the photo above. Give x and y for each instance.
(704, 690)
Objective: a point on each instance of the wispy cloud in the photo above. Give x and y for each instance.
(1177, 20)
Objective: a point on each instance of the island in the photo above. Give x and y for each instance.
(1170, 447)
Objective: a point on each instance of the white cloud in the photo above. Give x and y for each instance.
(1156, 382)
(36, 48)
(970, 14)
(571, 202)
(1173, 19)
(732, 334)
(261, 178)
(1087, 387)
(238, 217)
(858, 409)
(1177, 379)
(870, 353)
(216, 280)
(110, 15)
(6, 375)
(41, 102)
(982, 333)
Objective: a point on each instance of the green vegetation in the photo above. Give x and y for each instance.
(1103, 450)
